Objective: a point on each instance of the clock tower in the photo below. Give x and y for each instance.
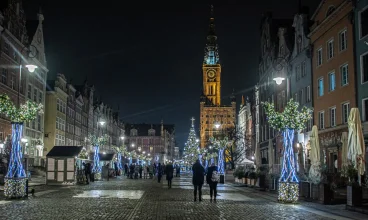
(215, 118)
(211, 66)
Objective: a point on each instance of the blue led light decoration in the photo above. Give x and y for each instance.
(15, 178)
(289, 121)
(97, 142)
(220, 145)
(121, 151)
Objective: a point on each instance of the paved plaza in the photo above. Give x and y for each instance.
(141, 199)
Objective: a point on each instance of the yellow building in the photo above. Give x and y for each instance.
(212, 113)
(55, 113)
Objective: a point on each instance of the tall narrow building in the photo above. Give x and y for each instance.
(211, 111)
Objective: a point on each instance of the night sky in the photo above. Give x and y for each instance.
(147, 57)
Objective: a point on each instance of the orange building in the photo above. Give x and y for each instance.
(333, 74)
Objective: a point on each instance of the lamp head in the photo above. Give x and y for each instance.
(217, 125)
(31, 68)
(101, 123)
(278, 80)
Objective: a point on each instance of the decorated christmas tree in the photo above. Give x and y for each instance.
(289, 121)
(191, 149)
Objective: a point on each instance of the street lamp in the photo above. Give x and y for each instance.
(217, 125)
(122, 137)
(132, 145)
(278, 80)
(102, 123)
(31, 68)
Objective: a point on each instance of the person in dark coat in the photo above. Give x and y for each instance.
(87, 171)
(177, 170)
(159, 172)
(169, 174)
(126, 170)
(198, 179)
(212, 182)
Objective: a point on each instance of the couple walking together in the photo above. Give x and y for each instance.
(212, 179)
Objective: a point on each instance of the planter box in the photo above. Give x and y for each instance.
(354, 196)
(244, 180)
(325, 194)
(252, 182)
(315, 191)
(248, 181)
(304, 189)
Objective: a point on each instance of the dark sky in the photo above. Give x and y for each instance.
(147, 57)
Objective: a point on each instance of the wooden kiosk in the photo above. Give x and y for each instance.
(61, 165)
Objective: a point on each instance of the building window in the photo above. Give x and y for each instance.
(363, 17)
(40, 97)
(308, 93)
(4, 76)
(320, 87)
(39, 122)
(332, 81)
(319, 57)
(298, 73)
(364, 69)
(301, 96)
(59, 140)
(60, 124)
(35, 94)
(345, 112)
(12, 81)
(330, 49)
(344, 74)
(29, 92)
(343, 41)
(321, 120)
(6, 48)
(365, 109)
(299, 44)
(304, 70)
(296, 97)
(333, 116)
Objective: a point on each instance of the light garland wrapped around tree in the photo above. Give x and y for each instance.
(83, 154)
(220, 145)
(121, 151)
(191, 149)
(97, 142)
(289, 121)
(16, 179)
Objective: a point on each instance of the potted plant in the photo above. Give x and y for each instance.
(245, 178)
(354, 191)
(253, 177)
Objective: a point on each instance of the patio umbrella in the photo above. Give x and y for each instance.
(344, 149)
(315, 169)
(270, 155)
(356, 147)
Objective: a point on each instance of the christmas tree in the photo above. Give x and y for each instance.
(191, 149)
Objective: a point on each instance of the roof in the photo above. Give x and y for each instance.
(103, 157)
(143, 128)
(64, 151)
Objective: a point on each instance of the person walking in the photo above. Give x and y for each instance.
(159, 172)
(126, 170)
(177, 170)
(131, 171)
(140, 171)
(87, 171)
(198, 179)
(212, 180)
(169, 174)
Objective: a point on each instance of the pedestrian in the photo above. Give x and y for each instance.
(140, 171)
(136, 171)
(159, 172)
(87, 171)
(131, 171)
(126, 170)
(198, 179)
(169, 174)
(177, 170)
(212, 180)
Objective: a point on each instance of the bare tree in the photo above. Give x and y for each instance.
(236, 150)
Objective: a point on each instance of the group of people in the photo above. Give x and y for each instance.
(88, 172)
(135, 171)
(212, 179)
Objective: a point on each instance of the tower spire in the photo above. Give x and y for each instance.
(211, 56)
(192, 122)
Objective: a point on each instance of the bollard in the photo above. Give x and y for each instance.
(27, 188)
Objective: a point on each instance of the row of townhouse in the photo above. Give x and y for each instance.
(324, 60)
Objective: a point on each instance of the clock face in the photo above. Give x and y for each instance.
(211, 73)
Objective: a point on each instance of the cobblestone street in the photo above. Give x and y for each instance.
(146, 199)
